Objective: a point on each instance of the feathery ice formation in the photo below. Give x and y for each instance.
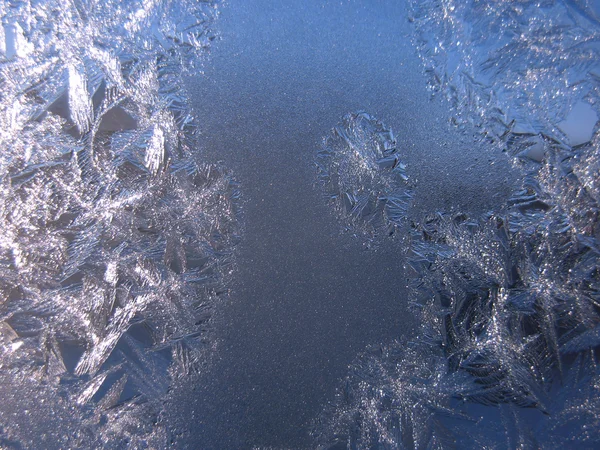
(360, 170)
(117, 240)
(509, 303)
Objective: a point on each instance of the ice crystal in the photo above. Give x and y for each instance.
(361, 171)
(116, 240)
(513, 66)
(509, 301)
(395, 397)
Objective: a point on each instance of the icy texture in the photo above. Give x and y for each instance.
(511, 300)
(504, 305)
(116, 242)
(396, 397)
(511, 66)
(401, 396)
(359, 166)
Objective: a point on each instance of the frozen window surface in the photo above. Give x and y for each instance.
(265, 224)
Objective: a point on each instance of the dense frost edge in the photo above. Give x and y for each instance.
(509, 303)
(117, 240)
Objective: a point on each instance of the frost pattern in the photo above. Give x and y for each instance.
(509, 320)
(117, 240)
(359, 166)
(395, 397)
(509, 303)
(511, 67)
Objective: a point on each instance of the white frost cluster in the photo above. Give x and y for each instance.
(509, 302)
(117, 240)
(360, 169)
